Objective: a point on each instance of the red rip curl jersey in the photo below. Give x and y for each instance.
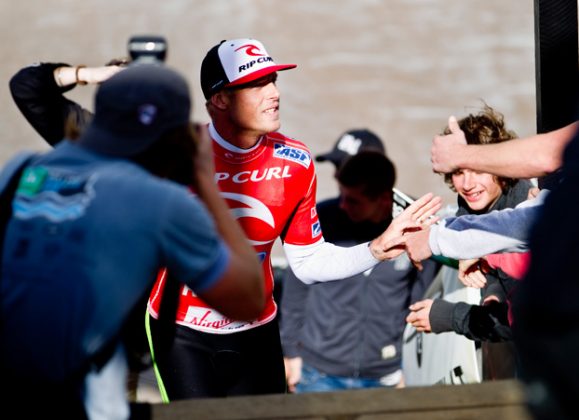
(270, 190)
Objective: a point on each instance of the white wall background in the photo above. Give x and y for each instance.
(399, 67)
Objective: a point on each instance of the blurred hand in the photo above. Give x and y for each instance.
(471, 272)
(418, 247)
(293, 372)
(419, 215)
(446, 148)
(533, 193)
(419, 316)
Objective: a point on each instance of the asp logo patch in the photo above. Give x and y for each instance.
(294, 154)
(316, 229)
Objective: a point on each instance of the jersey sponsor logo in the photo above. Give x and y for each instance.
(209, 319)
(294, 154)
(55, 197)
(257, 175)
(316, 229)
(202, 318)
(313, 213)
(252, 207)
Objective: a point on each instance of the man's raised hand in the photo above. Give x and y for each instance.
(417, 216)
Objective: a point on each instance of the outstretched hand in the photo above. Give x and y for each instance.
(418, 247)
(446, 148)
(419, 316)
(419, 215)
(471, 272)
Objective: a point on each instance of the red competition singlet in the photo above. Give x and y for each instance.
(270, 189)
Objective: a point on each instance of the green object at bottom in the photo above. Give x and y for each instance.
(160, 385)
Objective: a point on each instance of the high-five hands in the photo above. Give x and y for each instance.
(418, 247)
(419, 215)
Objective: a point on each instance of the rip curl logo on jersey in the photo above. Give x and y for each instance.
(257, 175)
(283, 151)
(316, 229)
(250, 49)
(252, 208)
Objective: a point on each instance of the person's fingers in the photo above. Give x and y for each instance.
(430, 221)
(395, 243)
(429, 208)
(417, 205)
(475, 279)
(479, 278)
(419, 217)
(420, 327)
(414, 319)
(533, 192)
(408, 217)
(453, 125)
(417, 264)
(417, 305)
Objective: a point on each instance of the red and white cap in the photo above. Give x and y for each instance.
(236, 62)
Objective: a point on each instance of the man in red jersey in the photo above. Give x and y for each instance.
(269, 182)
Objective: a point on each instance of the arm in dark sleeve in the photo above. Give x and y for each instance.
(42, 103)
(293, 306)
(481, 323)
(500, 285)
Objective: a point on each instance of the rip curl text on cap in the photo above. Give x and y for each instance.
(236, 62)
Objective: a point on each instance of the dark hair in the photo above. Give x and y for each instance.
(370, 169)
(486, 127)
(172, 156)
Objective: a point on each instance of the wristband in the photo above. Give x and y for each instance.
(58, 79)
(79, 82)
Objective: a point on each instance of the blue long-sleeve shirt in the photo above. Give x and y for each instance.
(473, 236)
